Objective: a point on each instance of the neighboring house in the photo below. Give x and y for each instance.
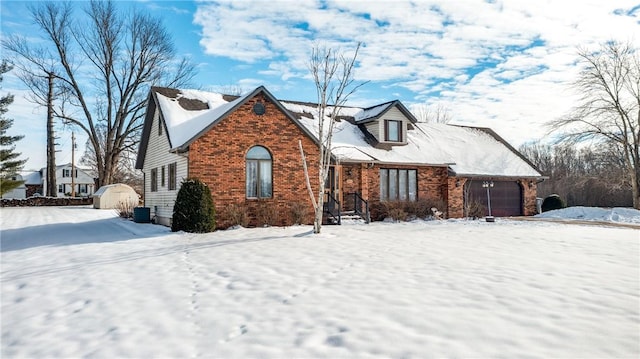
(83, 182)
(19, 192)
(32, 185)
(246, 150)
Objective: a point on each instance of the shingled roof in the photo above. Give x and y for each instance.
(466, 151)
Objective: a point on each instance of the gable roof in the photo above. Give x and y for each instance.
(188, 114)
(373, 113)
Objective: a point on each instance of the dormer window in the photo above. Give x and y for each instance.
(392, 131)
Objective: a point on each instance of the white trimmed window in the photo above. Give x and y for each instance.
(259, 179)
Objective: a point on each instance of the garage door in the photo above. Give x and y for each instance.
(506, 197)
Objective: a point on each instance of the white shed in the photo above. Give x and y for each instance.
(109, 196)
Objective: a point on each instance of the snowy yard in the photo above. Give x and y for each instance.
(78, 282)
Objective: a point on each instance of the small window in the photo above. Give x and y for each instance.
(172, 176)
(259, 181)
(159, 126)
(398, 185)
(60, 188)
(162, 176)
(393, 131)
(66, 172)
(154, 180)
(83, 188)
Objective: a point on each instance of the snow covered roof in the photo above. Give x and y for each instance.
(32, 178)
(183, 124)
(374, 112)
(466, 151)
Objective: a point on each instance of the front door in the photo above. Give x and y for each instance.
(332, 185)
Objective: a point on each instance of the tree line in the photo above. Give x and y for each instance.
(582, 175)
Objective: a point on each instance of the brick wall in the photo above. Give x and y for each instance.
(455, 196)
(530, 192)
(432, 181)
(218, 159)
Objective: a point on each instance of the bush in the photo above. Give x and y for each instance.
(300, 212)
(426, 208)
(552, 202)
(235, 214)
(377, 211)
(397, 213)
(475, 210)
(266, 214)
(125, 209)
(194, 210)
(407, 210)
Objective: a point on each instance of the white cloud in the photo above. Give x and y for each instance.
(429, 46)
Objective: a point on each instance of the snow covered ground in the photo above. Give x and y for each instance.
(79, 282)
(616, 215)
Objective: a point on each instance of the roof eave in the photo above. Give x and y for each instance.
(476, 175)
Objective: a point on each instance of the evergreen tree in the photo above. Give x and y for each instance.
(194, 210)
(10, 165)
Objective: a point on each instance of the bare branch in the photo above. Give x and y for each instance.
(332, 73)
(608, 109)
(104, 94)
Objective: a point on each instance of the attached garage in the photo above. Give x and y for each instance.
(506, 197)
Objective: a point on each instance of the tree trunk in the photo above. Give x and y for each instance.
(635, 186)
(52, 188)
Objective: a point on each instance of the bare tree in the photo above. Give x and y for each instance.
(582, 175)
(123, 172)
(106, 65)
(332, 74)
(431, 113)
(609, 105)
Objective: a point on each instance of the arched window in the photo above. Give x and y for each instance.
(259, 178)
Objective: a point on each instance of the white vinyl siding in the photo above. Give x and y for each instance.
(157, 156)
(376, 128)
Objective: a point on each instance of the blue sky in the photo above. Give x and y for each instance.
(500, 64)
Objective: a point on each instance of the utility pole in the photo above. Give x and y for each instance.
(73, 164)
(52, 189)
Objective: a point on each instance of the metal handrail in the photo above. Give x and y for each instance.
(358, 202)
(332, 205)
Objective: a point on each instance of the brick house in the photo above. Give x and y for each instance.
(246, 150)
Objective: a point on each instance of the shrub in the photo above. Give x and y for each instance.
(398, 214)
(377, 211)
(193, 210)
(235, 214)
(300, 212)
(125, 209)
(396, 210)
(552, 202)
(266, 214)
(475, 210)
(426, 208)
